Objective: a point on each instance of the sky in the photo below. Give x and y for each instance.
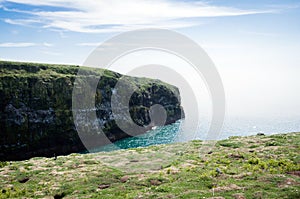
(254, 44)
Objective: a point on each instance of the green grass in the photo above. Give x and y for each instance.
(164, 171)
(229, 143)
(2, 164)
(46, 71)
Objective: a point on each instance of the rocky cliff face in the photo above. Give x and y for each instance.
(36, 108)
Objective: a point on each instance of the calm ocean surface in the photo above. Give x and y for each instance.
(232, 127)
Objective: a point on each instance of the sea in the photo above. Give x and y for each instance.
(233, 126)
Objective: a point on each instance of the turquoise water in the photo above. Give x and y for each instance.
(160, 135)
(232, 127)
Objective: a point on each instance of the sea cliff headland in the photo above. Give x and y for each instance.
(36, 107)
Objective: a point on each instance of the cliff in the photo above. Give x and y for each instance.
(36, 116)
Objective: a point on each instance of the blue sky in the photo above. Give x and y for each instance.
(254, 44)
(66, 31)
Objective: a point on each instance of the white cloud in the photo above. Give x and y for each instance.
(23, 44)
(95, 16)
(89, 44)
(24, 22)
(47, 44)
(9, 45)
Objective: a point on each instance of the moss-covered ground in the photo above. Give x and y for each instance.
(238, 167)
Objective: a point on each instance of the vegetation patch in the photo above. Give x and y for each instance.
(224, 172)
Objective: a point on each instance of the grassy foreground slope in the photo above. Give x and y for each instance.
(238, 167)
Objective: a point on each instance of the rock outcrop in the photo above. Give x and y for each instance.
(36, 116)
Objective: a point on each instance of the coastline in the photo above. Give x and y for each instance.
(249, 167)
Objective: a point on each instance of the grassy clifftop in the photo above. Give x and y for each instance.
(238, 167)
(46, 71)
